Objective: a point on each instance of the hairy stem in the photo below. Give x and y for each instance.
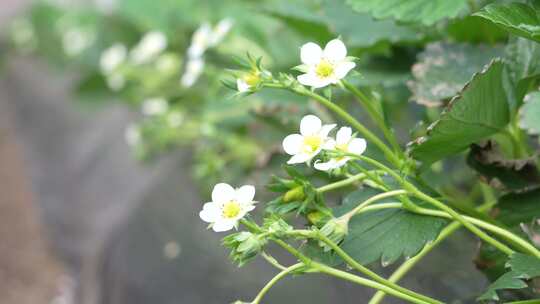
(372, 200)
(376, 115)
(274, 280)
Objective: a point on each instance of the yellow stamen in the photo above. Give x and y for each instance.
(324, 69)
(231, 209)
(252, 79)
(312, 143)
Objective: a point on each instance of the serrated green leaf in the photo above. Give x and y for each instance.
(517, 18)
(529, 114)
(522, 267)
(523, 57)
(444, 68)
(502, 173)
(426, 12)
(479, 111)
(385, 234)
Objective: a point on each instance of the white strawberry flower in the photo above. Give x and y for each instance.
(248, 82)
(150, 46)
(194, 69)
(228, 206)
(344, 142)
(311, 140)
(155, 106)
(200, 41)
(112, 58)
(324, 67)
(76, 40)
(221, 30)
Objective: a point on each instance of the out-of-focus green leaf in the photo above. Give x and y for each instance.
(385, 234)
(331, 18)
(517, 18)
(529, 114)
(444, 68)
(426, 12)
(475, 30)
(498, 172)
(524, 65)
(523, 267)
(479, 111)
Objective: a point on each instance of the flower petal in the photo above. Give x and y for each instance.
(335, 50)
(245, 194)
(343, 68)
(293, 143)
(210, 212)
(329, 165)
(224, 225)
(242, 86)
(299, 158)
(329, 144)
(325, 129)
(223, 193)
(310, 125)
(357, 146)
(343, 135)
(308, 79)
(310, 53)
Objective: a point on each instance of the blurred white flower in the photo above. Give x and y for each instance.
(116, 81)
(311, 140)
(132, 135)
(345, 142)
(155, 106)
(194, 68)
(248, 82)
(106, 6)
(324, 67)
(150, 46)
(76, 40)
(112, 57)
(228, 206)
(221, 30)
(175, 119)
(200, 41)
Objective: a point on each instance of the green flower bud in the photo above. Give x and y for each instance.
(335, 229)
(244, 246)
(295, 194)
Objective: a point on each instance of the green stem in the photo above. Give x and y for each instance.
(345, 182)
(372, 200)
(440, 205)
(272, 261)
(376, 115)
(359, 280)
(410, 263)
(537, 301)
(359, 267)
(274, 280)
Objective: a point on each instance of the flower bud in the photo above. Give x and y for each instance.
(335, 229)
(295, 194)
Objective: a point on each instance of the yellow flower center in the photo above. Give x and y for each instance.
(231, 209)
(324, 69)
(312, 143)
(252, 79)
(343, 148)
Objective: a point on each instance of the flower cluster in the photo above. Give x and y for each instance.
(313, 138)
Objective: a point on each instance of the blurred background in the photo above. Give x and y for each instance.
(90, 213)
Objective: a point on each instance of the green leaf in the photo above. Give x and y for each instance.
(523, 57)
(426, 12)
(332, 18)
(514, 209)
(517, 18)
(385, 234)
(444, 68)
(475, 30)
(523, 267)
(479, 111)
(529, 114)
(498, 172)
